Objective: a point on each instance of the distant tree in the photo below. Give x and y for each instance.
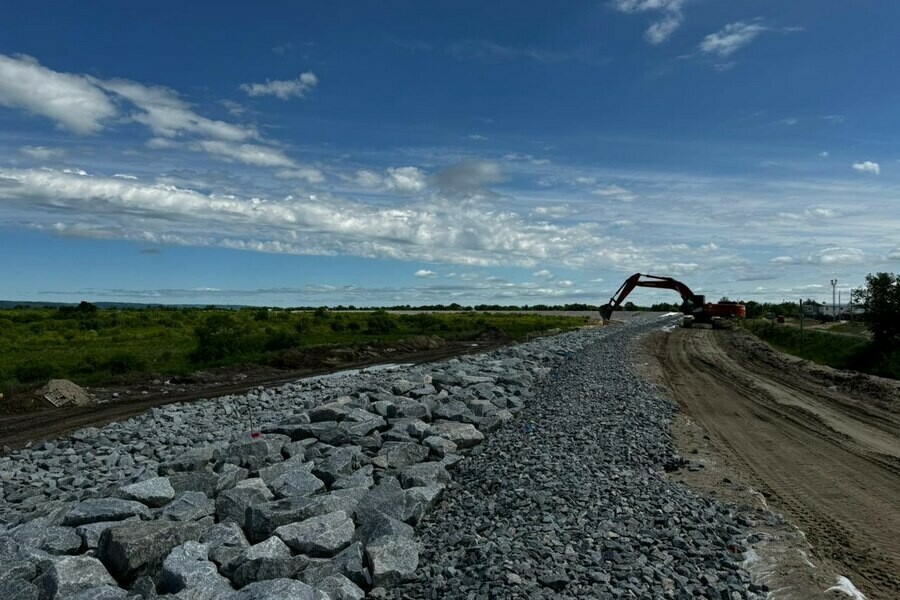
(881, 299)
(219, 336)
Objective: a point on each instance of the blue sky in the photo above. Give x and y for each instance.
(377, 153)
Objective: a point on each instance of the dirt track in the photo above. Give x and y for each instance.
(824, 455)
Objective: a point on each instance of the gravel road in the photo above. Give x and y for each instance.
(572, 502)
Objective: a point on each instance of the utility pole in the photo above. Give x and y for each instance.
(801, 326)
(833, 303)
(840, 301)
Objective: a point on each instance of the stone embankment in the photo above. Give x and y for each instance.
(567, 497)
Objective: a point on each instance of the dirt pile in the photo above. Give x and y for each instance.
(62, 392)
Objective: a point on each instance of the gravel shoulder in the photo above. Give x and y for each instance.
(822, 446)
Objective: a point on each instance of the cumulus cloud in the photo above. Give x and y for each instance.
(867, 167)
(42, 152)
(406, 180)
(72, 101)
(469, 176)
(543, 274)
(670, 16)
(616, 192)
(283, 89)
(731, 38)
(403, 180)
(425, 274)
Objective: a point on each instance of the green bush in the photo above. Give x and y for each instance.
(380, 323)
(124, 362)
(280, 340)
(218, 337)
(34, 372)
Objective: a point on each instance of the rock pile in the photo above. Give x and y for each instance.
(543, 461)
(321, 504)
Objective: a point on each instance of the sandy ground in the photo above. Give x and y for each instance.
(819, 446)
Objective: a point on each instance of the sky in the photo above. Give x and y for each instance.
(403, 152)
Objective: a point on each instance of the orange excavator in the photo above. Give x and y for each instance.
(694, 306)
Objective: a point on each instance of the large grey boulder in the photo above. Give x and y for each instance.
(378, 526)
(389, 499)
(423, 474)
(270, 475)
(263, 519)
(189, 506)
(68, 575)
(319, 536)
(188, 566)
(392, 559)
(297, 484)
(350, 563)
(279, 589)
(341, 462)
(19, 589)
(439, 446)
(360, 478)
(53, 539)
(206, 482)
(339, 587)
(103, 592)
(332, 411)
(407, 408)
(270, 559)
(232, 505)
(464, 435)
(90, 532)
(254, 453)
(105, 509)
(225, 541)
(453, 410)
(403, 454)
(154, 492)
(193, 460)
(138, 548)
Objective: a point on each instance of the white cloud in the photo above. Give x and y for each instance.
(790, 121)
(73, 101)
(839, 256)
(168, 116)
(867, 167)
(42, 152)
(403, 180)
(368, 179)
(250, 154)
(731, 38)
(125, 176)
(406, 180)
(425, 274)
(670, 19)
(543, 273)
(783, 260)
(283, 89)
(823, 154)
(310, 174)
(451, 230)
(616, 192)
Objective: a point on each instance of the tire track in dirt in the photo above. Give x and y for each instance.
(829, 466)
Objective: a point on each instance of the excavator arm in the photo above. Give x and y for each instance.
(690, 301)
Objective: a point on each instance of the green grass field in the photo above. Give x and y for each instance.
(93, 347)
(831, 349)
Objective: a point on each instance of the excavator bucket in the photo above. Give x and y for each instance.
(606, 311)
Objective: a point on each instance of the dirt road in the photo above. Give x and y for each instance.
(825, 451)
